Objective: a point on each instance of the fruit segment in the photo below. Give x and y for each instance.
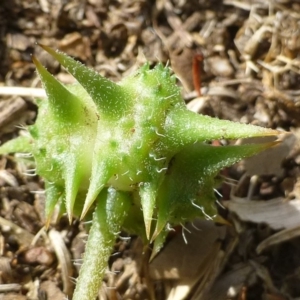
(136, 137)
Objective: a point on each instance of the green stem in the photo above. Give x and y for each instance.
(108, 218)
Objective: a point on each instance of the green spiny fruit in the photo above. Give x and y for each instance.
(133, 149)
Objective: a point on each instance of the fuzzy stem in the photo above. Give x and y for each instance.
(107, 221)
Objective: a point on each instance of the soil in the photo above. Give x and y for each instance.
(236, 60)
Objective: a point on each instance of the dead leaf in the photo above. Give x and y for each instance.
(187, 263)
(276, 213)
(269, 162)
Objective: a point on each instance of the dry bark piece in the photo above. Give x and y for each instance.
(8, 178)
(182, 65)
(52, 291)
(76, 45)
(128, 269)
(39, 204)
(23, 236)
(37, 255)
(12, 113)
(220, 66)
(64, 258)
(18, 41)
(12, 296)
(6, 275)
(25, 214)
(77, 249)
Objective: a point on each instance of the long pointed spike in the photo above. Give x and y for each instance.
(229, 155)
(106, 94)
(160, 226)
(101, 172)
(62, 102)
(20, 144)
(184, 127)
(148, 193)
(54, 194)
(73, 178)
(188, 193)
(158, 243)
